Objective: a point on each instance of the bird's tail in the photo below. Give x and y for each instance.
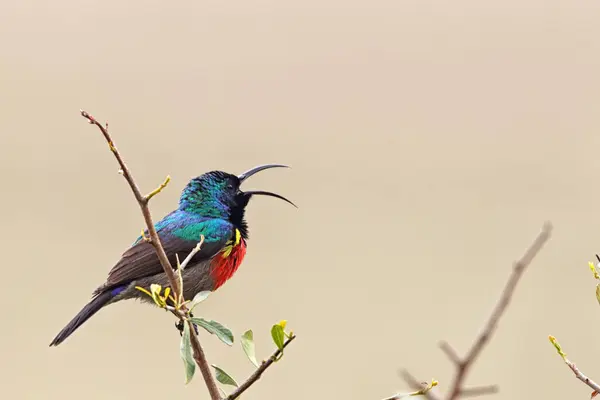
(86, 312)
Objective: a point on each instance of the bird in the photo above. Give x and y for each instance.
(211, 205)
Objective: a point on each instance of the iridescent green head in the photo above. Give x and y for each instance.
(217, 194)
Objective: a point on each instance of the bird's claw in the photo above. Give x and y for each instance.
(179, 326)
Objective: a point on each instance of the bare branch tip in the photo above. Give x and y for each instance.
(200, 243)
(479, 391)
(158, 189)
(87, 116)
(450, 352)
(410, 379)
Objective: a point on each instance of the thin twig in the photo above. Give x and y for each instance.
(181, 266)
(192, 253)
(158, 189)
(578, 374)
(259, 371)
(450, 353)
(143, 203)
(479, 391)
(154, 239)
(416, 385)
(463, 364)
(490, 327)
(583, 378)
(398, 396)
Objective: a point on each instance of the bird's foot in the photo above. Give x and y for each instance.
(179, 326)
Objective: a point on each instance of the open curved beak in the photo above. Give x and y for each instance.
(242, 177)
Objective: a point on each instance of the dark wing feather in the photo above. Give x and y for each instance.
(141, 260)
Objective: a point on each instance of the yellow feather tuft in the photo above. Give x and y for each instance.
(229, 245)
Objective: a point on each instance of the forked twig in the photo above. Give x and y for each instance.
(463, 364)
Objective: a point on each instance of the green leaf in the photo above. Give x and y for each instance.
(224, 377)
(248, 346)
(199, 298)
(185, 350)
(215, 328)
(278, 335)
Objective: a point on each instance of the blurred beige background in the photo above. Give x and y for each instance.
(429, 142)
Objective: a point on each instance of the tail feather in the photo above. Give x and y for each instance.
(86, 312)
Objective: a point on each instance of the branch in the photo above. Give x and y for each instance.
(578, 374)
(142, 201)
(259, 371)
(189, 257)
(154, 239)
(420, 388)
(181, 267)
(463, 364)
(479, 391)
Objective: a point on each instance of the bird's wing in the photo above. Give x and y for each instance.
(178, 236)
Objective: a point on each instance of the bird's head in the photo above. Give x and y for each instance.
(217, 194)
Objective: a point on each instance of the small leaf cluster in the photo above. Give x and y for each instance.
(183, 309)
(278, 334)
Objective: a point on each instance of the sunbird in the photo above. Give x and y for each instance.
(211, 205)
